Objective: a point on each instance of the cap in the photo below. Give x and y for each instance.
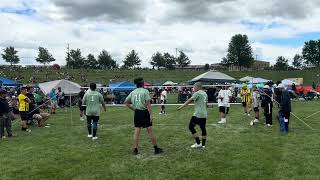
(198, 84)
(280, 85)
(266, 87)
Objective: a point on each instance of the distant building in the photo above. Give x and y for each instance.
(260, 65)
(191, 67)
(257, 65)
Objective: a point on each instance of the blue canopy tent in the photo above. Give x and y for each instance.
(8, 82)
(122, 87)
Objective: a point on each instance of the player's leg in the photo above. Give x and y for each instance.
(244, 106)
(202, 124)
(89, 126)
(153, 139)
(193, 131)
(136, 140)
(286, 120)
(8, 126)
(2, 125)
(95, 120)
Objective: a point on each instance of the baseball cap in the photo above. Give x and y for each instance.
(280, 86)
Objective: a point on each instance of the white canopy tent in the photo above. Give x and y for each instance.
(170, 83)
(213, 77)
(246, 79)
(258, 80)
(287, 82)
(68, 87)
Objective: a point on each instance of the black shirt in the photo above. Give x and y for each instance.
(4, 106)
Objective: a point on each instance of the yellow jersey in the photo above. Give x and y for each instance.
(23, 104)
(246, 95)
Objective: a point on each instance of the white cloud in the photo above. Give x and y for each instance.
(203, 37)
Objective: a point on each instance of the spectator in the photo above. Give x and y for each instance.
(61, 98)
(5, 117)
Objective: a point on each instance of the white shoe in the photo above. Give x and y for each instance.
(251, 123)
(160, 113)
(203, 147)
(244, 114)
(256, 121)
(269, 125)
(222, 122)
(81, 119)
(196, 146)
(249, 114)
(89, 135)
(94, 138)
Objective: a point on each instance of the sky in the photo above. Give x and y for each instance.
(200, 28)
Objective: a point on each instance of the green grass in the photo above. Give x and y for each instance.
(234, 151)
(155, 76)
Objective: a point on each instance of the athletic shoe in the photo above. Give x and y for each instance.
(251, 123)
(203, 147)
(3, 137)
(160, 113)
(196, 145)
(249, 114)
(94, 138)
(244, 114)
(269, 125)
(135, 152)
(81, 119)
(222, 122)
(158, 151)
(89, 135)
(256, 121)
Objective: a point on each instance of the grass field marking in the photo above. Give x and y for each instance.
(302, 121)
(312, 114)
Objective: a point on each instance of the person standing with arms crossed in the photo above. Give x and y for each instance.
(92, 99)
(24, 109)
(139, 101)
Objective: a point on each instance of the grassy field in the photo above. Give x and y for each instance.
(234, 151)
(153, 76)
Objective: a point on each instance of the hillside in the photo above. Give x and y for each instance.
(104, 76)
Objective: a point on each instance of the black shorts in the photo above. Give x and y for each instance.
(61, 102)
(25, 116)
(93, 118)
(82, 108)
(163, 101)
(224, 109)
(198, 121)
(244, 104)
(256, 109)
(142, 119)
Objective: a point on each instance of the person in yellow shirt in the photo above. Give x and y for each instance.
(24, 109)
(246, 99)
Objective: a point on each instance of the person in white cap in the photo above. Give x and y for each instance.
(267, 105)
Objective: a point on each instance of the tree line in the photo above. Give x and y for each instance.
(240, 54)
(75, 59)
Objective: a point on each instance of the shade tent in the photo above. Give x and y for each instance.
(246, 79)
(8, 82)
(122, 86)
(287, 82)
(68, 87)
(213, 77)
(170, 83)
(147, 84)
(258, 80)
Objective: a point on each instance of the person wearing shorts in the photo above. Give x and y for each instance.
(199, 117)
(139, 101)
(93, 99)
(256, 102)
(163, 100)
(224, 97)
(24, 109)
(246, 99)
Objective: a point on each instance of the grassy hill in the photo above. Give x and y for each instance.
(153, 76)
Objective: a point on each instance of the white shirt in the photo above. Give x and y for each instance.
(163, 95)
(225, 95)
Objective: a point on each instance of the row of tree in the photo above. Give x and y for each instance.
(75, 59)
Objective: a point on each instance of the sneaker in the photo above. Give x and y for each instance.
(244, 114)
(160, 113)
(269, 125)
(158, 151)
(28, 130)
(81, 119)
(222, 122)
(249, 114)
(251, 123)
(89, 135)
(203, 147)
(94, 138)
(135, 152)
(3, 137)
(196, 145)
(256, 120)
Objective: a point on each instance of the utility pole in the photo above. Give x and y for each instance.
(176, 53)
(68, 53)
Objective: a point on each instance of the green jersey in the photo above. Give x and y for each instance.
(200, 99)
(93, 100)
(37, 98)
(138, 98)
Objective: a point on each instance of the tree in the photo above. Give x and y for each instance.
(10, 55)
(106, 61)
(206, 67)
(183, 59)
(297, 61)
(74, 59)
(169, 61)
(44, 57)
(132, 60)
(91, 62)
(311, 52)
(281, 64)
(239, 52)
(157, 60)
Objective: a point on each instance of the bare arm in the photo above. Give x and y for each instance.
(128, 104)
(149, 109)
(186, 103)
(102, 103)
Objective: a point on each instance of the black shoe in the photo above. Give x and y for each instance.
(135, 152)
(158, 151)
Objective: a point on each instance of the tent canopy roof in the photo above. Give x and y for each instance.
(8, 82)
(167, 83)
(288, 82)
(213, 76)
(246, 79)
(68, 87)
(122, 86)
(258, 80)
